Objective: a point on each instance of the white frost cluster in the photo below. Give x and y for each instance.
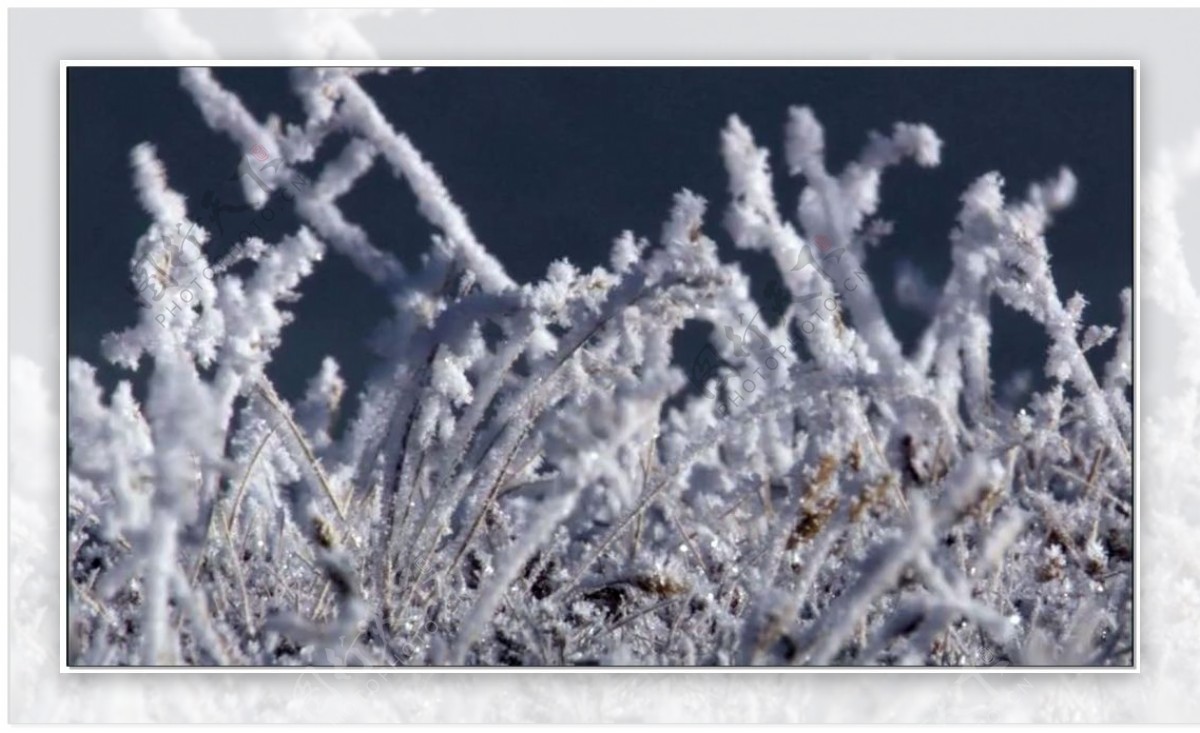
(528, 478)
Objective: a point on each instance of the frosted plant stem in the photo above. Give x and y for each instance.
(553, 513)
(513, 435)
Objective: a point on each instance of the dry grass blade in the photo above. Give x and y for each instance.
(268, 393)
(241, 492)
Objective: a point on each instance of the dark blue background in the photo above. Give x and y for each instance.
(556, 162)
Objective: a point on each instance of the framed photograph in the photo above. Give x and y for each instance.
(626, 366)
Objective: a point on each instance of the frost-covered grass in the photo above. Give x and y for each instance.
(514, 487)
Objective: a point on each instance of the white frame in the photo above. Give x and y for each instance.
(62, 368)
